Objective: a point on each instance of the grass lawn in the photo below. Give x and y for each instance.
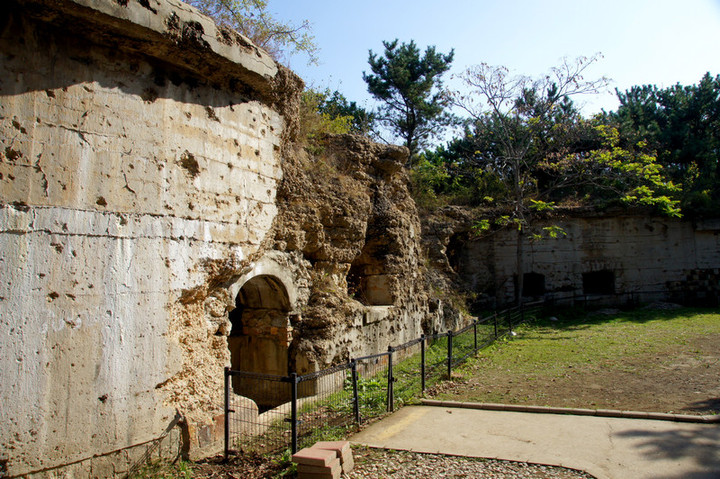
(644, 360)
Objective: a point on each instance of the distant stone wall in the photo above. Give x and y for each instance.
(139, 164)
(638, 257)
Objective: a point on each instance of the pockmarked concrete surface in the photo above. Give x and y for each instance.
(608, 448)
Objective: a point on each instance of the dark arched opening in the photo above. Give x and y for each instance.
(260, 338)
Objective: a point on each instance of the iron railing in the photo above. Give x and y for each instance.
(332, 400)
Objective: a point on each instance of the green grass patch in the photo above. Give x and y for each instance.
(625, 359)
(549, 347)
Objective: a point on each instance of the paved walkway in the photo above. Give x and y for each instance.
(606, 447)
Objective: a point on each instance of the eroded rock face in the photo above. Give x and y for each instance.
(348, 212)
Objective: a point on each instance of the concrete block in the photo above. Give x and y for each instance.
(314, 457)
(319, 476)
(341, 447)
(343, 451)
(332, 469)
(347, 462)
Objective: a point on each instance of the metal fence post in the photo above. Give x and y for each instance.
(495, 321)
(390, 381)
(422, 364)
(293, 412)
(449, 354)
(227, 412)
(475, 323)
(356, 397)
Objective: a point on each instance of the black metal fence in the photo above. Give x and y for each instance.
(625, 299)
(330, 401)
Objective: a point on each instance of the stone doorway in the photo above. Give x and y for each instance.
(260, 338)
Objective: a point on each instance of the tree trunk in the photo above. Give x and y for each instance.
(519, 262)
(520, 218)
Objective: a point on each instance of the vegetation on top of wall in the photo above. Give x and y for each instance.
(316, 123)
(252, 19)
(681, 124)
(523, 140)
(661, 149)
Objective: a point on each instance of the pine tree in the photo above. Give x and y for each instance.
(409, 84)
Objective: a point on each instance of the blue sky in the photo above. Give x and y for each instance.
(642, 42)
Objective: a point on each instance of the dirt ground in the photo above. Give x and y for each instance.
(248, 466)
(685, 379)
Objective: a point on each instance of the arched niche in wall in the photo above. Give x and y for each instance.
(261, 332)
(368, 279)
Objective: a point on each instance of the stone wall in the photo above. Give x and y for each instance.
(139, 164)
(633, 257)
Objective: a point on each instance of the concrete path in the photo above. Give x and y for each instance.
(606, 447)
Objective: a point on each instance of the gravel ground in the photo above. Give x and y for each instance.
(382, 464)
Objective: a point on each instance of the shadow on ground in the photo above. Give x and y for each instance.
(701, 445)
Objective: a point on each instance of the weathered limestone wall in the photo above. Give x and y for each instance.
(139, 163)
(645, 255)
